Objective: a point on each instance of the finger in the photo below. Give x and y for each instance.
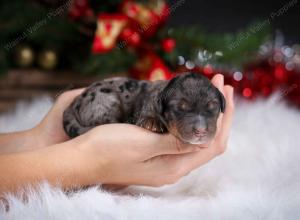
(66, 98)
(219, 123)
(226, 123)
(182, 164)
(168, 144)
(70, 95)
(218, 81)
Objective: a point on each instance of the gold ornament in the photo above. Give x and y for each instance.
(24, 56)
(48, 59)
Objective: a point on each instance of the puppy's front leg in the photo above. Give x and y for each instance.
(152, 124)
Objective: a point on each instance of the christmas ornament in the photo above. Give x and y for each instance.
(276, 69)
(151, 67)
(48, 59)
(147, 16)
(262, 78)
(80, 8)
(136, 22)
(24, 56)
(168, 44)
(130, 37)
(108, 30)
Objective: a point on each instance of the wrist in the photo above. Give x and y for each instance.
(61, 165)
(19, 141)
(66, 165)
(70, 167)
(91, 165)
(33, 139)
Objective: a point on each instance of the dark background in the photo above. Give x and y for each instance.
(232, 15)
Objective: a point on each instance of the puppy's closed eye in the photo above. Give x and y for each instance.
(183, 105)
(212, 105)
(180, 105)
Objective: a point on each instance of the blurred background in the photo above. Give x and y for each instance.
(232, 15)
(50, 46)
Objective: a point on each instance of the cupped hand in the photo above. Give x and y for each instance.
(50, 130)
(125, 154)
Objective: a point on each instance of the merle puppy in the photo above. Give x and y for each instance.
(186, 106)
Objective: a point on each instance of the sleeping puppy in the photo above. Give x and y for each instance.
(187, 106)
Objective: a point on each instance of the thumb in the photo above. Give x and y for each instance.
(64, 100)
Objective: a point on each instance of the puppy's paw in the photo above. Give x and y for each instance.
(152, 125)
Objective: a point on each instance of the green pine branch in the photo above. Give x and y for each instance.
(237, 48)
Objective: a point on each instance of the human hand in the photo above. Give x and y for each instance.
(116, 154)
(50, 130)
(124, 154)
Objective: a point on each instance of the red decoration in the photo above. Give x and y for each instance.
(168, 45)
(148, 17)
(80, 8)
(132, 26)
(208, 69)
(151, 67)
(247, 92)
(130, 37)
(108, 30)
(134, 22)
(261, 79)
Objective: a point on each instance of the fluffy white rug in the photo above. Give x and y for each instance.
(257, 178)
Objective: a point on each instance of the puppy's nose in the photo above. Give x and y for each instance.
(200, 127)
(200, 132)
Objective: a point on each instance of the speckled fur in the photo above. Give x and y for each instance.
(109, 101)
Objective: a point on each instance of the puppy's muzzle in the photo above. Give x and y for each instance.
(200, 127)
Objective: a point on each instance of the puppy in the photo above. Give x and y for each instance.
(187, 106)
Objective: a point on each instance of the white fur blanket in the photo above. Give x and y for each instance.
(257, 178)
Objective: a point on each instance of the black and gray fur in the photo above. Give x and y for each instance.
(186, 106)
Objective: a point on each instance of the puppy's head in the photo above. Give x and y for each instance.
(189, 106)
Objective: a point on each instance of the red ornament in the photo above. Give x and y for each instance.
(168, 45)
(97, 45)
(130, 37)
(80, 8)
(135, 39)
(266, 91)
(208, 70)
(109, 27)
(151, 67)
(247, 92)
(148, 16)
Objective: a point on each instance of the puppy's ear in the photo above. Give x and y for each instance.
(161, 97)
(221, 100)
